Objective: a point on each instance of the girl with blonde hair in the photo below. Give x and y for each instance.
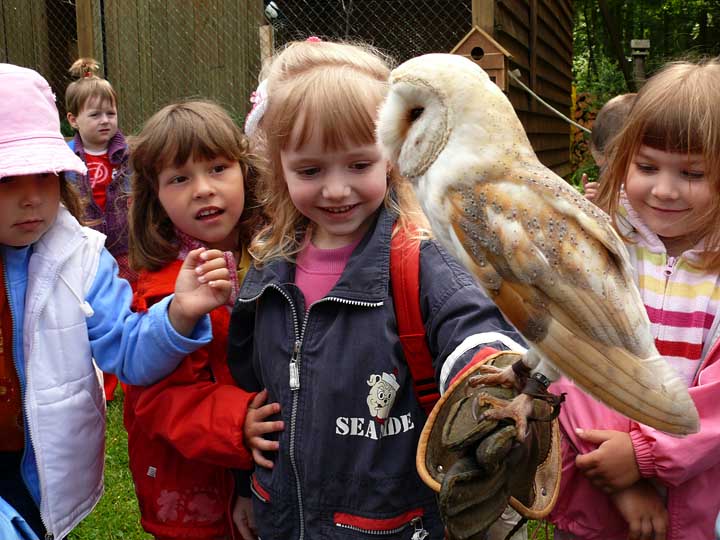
(315, 322)
(662, 190)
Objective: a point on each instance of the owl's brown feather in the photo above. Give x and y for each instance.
(561, 280)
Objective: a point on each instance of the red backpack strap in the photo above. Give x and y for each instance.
(405, 280)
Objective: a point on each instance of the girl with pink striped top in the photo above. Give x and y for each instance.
(662, 189)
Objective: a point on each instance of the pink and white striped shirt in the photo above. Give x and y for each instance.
(682, 301)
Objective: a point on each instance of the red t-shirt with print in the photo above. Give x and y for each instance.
(100, 170)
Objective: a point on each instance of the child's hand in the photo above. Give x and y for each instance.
(643, 509)
(612, 465)
(202, 285)
(589, 188)
(256, 426)
(244, 518)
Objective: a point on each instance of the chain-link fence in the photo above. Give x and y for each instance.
(154, 51)
(403, 29)
(42, 35)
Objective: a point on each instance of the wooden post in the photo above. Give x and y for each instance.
(640, 49)
(85, 28)
(267, 44)
(483, 15)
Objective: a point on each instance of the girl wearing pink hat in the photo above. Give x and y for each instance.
(61, 306)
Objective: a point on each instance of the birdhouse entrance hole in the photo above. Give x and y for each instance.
(477, 53)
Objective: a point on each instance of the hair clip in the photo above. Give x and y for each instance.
(313, 39)
(259, 100)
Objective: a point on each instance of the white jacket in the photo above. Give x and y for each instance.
(64, 405)
(63, 393)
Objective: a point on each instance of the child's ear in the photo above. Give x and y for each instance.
(72, 120)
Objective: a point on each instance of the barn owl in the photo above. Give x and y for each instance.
(549, 259)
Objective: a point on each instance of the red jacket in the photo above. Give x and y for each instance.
(186, 432)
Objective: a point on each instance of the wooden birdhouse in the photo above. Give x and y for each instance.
(480, 47)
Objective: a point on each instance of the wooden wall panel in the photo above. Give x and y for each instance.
(538, 35)
(24, 33)
(160, 51)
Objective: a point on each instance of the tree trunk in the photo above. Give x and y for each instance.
(617, 47)
(592, 66)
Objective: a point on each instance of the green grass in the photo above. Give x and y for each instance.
(116, 517)
(536, 531)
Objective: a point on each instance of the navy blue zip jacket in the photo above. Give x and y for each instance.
(346, 464)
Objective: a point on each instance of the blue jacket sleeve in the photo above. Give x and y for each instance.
(460, 320)
(12, 524)
(140, 348)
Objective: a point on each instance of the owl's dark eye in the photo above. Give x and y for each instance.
(415, 113)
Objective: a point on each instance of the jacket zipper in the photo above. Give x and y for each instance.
(667, 272)
(294, 369)
(13, 323)
(294, 376)
(419, 533)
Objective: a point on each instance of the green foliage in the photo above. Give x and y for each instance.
(116, 517)
(65, 128)
(676, 29)
(604, 82)
(587, 167)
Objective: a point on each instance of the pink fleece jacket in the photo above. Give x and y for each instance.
(688, 467)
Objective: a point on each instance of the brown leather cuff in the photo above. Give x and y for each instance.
(536, 387)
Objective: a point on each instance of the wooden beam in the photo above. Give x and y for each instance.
(85, 33)
(267, 44)
(532, 50)
(483, 15)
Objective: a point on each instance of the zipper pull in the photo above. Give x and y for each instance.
(294, 371)
(669, 266)
(420, 532)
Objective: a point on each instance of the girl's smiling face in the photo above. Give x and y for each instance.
(28, 207)
(671, 193)
(338, 190)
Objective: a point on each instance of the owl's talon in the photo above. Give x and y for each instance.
(517, 410)
(492, 376)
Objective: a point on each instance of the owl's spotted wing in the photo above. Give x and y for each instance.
(559, 273)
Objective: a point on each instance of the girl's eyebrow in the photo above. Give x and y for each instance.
(644, 155)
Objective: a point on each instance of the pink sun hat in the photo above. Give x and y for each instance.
(30, 138)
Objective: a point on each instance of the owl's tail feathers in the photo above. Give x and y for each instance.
(645, 390)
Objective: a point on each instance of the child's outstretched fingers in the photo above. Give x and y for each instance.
(612, 465)
(202, 285)
(256, 427)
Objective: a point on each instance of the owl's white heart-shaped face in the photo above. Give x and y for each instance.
(413, 126)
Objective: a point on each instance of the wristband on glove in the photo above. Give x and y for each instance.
(536, 387)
